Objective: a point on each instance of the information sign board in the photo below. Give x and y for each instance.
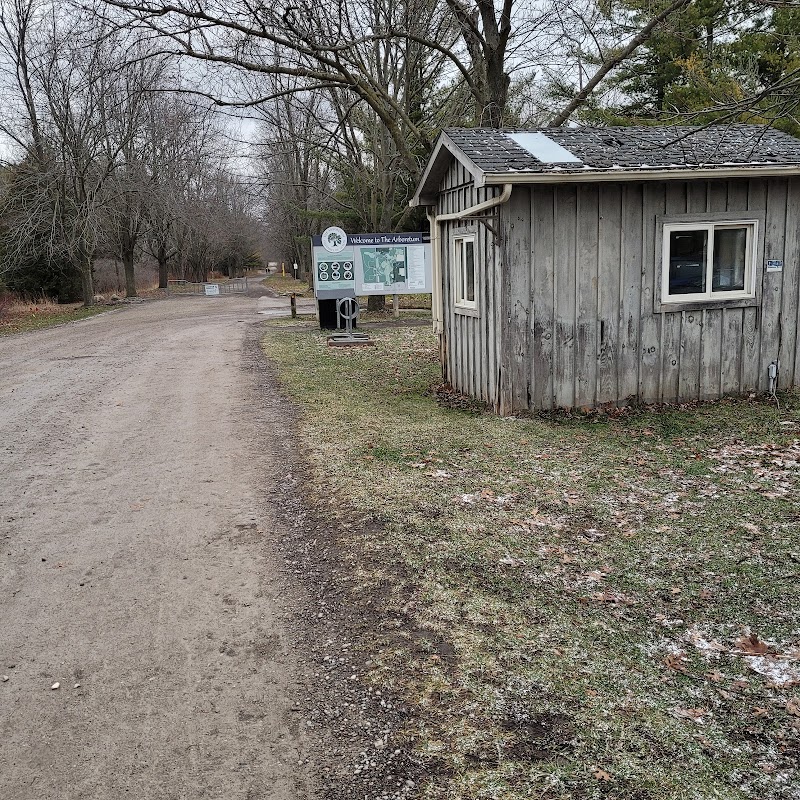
(372, 263)
(212, 289)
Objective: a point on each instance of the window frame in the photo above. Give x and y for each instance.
(749, 297)
(460, 302)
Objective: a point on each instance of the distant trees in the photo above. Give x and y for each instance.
(354, 93)
(107, 162)
(119, 152)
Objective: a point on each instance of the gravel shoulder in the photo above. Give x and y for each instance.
(137, 567)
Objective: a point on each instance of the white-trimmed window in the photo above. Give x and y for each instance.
(710, 261)
(464, 271)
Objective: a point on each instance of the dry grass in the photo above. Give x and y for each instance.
(17, 316)
(578, 607)
(285, 285)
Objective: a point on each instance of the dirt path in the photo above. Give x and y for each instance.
(135, 568)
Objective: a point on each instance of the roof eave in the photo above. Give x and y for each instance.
(428, 187)
(597, 176)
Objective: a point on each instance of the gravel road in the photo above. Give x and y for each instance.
(135, 569)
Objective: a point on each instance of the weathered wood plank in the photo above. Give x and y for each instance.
(697, 197)
(691, 344)
(772, 282)
(731, 351)
(564, 237)
(629, 357)
(505, 402)
(717, 196)
(791, 286)
(542, 297)
(609, 293)
(751, 325)
(586, 296)
(710, 355)
(697, 201)
(711, 345)
(732, 322)
(654, 200)
(495, 318)
(676, 200)
(518, 254)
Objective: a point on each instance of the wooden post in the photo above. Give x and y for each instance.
(396, 305)
(283, 268)
(293, 303)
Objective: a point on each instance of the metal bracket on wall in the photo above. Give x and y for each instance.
(484, 220)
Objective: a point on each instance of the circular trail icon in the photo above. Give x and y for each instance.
(334, 239)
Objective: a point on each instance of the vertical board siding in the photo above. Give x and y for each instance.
(711, 343)
(793, 264)
(787, 375)
(564, 238)
(609, 274)
(653, 205)
(676, 203)
(771, 288)
(692, 321)
(470, 342)
(542, 296)
(566, 296)
(586, 313)
(631, 271)
(517, 295)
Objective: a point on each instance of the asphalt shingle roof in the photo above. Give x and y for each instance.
(631, 148)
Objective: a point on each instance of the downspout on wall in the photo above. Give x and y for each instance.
(437, 309)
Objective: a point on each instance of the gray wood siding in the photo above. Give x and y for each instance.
(579, 276)
(471, 343)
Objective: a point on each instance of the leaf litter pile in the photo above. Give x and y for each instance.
(587, 607)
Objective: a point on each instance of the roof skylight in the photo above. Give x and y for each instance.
(544, 148)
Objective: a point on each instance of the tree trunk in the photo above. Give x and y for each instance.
(163, 271)
(497, 83)
(130, 276)
(87, 281)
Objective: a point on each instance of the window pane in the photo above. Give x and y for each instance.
(688, 255)
(730, 249)
(469, 270)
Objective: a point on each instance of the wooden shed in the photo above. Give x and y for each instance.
(576, 267)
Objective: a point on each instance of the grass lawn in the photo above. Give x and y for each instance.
(285, 285)
(574, 607)
(29, 317)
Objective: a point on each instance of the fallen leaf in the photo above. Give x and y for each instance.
(752, 645)
(695, 714)
(675, 662)
(614, 598)
(793, 707)
(601, 774)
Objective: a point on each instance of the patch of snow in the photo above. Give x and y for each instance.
(710, 648)
(778, 671)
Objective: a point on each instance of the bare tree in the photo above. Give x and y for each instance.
(81, 99)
